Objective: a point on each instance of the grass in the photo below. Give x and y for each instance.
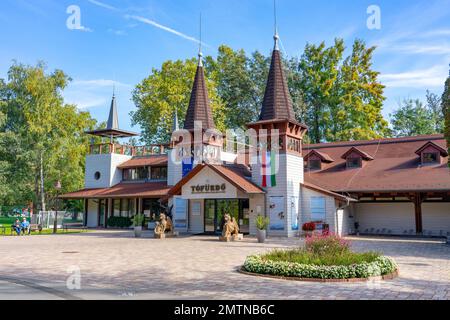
(303, 256)
(45, 232)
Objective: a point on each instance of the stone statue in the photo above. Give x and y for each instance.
(164, 225)
(230, 228)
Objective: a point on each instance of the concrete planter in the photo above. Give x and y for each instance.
(137, 232)
(261, 235)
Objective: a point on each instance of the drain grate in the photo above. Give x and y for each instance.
(70, 252)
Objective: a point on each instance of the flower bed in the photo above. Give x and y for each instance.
(324, 257)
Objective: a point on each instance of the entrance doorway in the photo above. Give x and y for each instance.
(102, 209)
(215, 209)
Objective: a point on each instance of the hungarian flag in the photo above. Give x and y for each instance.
(268, 169)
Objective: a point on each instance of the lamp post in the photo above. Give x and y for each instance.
(55, 223)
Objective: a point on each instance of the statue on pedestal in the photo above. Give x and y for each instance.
(230, 229)
(162, 226)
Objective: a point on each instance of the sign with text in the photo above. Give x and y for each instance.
(277, 213)
(180, 213)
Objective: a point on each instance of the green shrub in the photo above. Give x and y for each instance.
(119, 222)
(304, 256)
(327, 244)
(262, 222)
(380, 266)
(138, 220)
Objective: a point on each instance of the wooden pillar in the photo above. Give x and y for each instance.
(418, 212)
(85, 212)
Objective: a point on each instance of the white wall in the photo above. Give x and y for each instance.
(397, 217)
(289, 177)
(330, 208)
(92, 214)
(107, 165)
(208, 176)
(436, 218)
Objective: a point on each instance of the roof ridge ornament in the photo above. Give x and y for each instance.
(200, 54)
(276, 37)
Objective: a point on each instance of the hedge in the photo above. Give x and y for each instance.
(119, 222)
(381, 266)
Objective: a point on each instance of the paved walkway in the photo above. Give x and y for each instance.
(114, 265)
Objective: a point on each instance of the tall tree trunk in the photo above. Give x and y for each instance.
(41, 176)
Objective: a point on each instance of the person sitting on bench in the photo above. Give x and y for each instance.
(26, 227)
(17, 227)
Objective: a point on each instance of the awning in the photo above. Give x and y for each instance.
(122, 190)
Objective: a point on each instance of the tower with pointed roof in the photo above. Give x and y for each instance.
(199, 141)
(102, 166)
(279, 138)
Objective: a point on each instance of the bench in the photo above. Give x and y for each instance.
(31, 228)
(74, 225)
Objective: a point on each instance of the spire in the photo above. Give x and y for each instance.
(277, 103)
(199, 108)
(113, 120)
(175, 125)
(275, 35)
(200, 54)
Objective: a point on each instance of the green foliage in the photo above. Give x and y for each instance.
(41, 138)
(138, 220)
(262, 222)
(119, 222)
(325, 257)
(343, 97)
(445, 104)
(414, 118)
(339, 99)
(379, 266)
(166, 90)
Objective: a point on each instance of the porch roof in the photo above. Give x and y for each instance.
(122, 190)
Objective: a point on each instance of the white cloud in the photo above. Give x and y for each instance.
(99, 83)
(425, 78)
(118, 32)
(430, 49)
(103, 5)
(160, 26)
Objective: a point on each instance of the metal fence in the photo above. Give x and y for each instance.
(47, 218)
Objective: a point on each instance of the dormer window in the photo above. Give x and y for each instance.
(314, 160)
(355, 158)
(430, 157)
(431, 153)
(314, 164)
(354, 162)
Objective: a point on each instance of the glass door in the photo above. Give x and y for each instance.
(101, 212)
(210, 214)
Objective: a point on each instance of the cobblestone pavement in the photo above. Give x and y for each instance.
(114, 265)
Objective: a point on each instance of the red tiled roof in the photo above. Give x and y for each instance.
(234, 174)
(396, 167)
(363, 154)
(325, 157)
(159, 160)
(442, 151)
(122, 190)
(327, 192)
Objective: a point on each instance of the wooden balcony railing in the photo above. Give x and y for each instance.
(107, 148)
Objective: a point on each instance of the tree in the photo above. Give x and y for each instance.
(445, 103)
(343, 96)
(412, 118)
(434, 105)
(165, 91)
(41, 138)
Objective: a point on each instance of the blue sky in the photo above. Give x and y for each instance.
(121, 41)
